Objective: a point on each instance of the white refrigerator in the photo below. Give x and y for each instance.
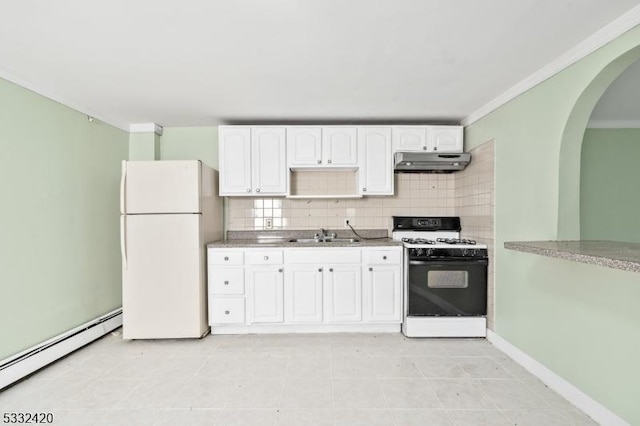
(170, 211)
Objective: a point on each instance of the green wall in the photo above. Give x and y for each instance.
(190, 143)
(609, 193)
(579, 320)
(59, 182)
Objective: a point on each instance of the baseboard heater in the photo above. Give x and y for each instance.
(26, 362)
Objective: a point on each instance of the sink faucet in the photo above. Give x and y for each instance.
(323, 235)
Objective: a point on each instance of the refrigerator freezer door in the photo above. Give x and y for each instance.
(163, 294)
(160, 187)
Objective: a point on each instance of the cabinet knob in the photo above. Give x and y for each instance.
(257, 189)
(226, 312)
(364, 189)
(424, 148)
(266, 258)
(371, 269)
(248, 189)
(384, 257)
(319, 269)
(280, 270)
(319, 161)
(226, 283)
(330, 269)
(329, 161)
(435, 148)
(226, 258)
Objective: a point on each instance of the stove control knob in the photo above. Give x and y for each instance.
(472, 252)
(465, 252)
(428, 252)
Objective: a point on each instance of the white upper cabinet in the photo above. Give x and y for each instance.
(252, 161)
(268, 165)
(428, 138)
(304, 146)
(445, 138)
(340, 146)
(409, 139)
(376, 162)
(322, 146)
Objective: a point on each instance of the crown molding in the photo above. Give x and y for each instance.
(146, 128)
(56, 97)
(603, 36)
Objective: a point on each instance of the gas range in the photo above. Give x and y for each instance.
(445, 278)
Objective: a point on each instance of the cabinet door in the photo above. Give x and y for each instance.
(304, 146)
(340, 146)
(376, 164)
(303, 294)
(409, 139)
(342, 293)
(235, 160)
(268, 157)
(382, 293)
(265, 295)
(445, 138)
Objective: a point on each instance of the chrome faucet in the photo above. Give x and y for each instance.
(324, 235)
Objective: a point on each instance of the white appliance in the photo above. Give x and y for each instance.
(170, 211)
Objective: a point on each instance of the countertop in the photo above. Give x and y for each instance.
(243, 239)
(611, 254)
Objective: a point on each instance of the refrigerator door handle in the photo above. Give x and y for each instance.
(123, 240)
(123, 181)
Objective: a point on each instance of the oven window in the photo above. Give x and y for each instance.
(448, 279)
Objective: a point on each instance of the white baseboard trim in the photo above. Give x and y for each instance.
(302, 328)
(26, 362)
(584, 402)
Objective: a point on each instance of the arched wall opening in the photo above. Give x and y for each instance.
(571, 146)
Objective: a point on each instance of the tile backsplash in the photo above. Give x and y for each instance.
(415, 194)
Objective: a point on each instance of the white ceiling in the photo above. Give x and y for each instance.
(199, 62)
(619, 106)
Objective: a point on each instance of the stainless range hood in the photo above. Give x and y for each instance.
(430, 162)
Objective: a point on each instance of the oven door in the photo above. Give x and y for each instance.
(447, 287)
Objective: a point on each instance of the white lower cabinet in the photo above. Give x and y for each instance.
(343, 294)
(266, 290)
(302, 287)
(303, 294)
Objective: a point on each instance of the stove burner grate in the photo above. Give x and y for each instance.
(456, 241)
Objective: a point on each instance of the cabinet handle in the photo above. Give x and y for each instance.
(226, 283)
(248, 189)
(364, 189)
(319, 269)
(329, 161)
(257, 189)
(226, 312)
(384, 257)
(266, 258)
(371, 269)
(319, 161)
(226, 258)
(280, 270)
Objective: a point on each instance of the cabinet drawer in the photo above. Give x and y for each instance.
(225, 257)
(382, 257)
(226, 310)
(269, 257)
(226, 280)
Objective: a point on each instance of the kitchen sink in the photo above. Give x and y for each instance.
(326, 240)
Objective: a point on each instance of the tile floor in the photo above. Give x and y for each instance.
(324, 379)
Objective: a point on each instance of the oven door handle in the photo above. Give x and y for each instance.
(449, 262)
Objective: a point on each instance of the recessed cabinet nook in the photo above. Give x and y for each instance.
(260, 160)
(305, 289)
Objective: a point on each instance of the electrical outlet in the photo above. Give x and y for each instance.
(348, 221)
(268, 223)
